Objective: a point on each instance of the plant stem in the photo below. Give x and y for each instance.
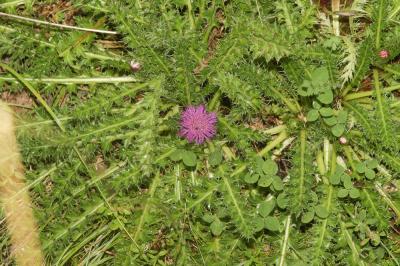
(275, 130)
(285, 242)
(214, 101)
(293, 107)
(335, 18)
(281, 137)
(81, 80)
(363, 94)
(191, 20)
(387, 199)
(35, 93)
(41, 22)
(13, 3)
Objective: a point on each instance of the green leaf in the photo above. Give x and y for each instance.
(312, 115)
(266, 207)
(271, 223)
(189, 158)
(258, 224)
(342, 117)
(217, 227)
(251, 178)
(307, 217)
(316, 105)
(277, 183)
(270, 167)
(282, 201)
(335, 178)
(372, 164)
(326, 97)
(320, 75)
(360, 167)
(370, 174)
(354, 193)
(346, 179)
(325, 111)
(337, 130)
(215, 158)
(177, 155)
(321, 211)
(208, 218)
(342, 193)
(330, 121)
(259, 163)
(265, 181)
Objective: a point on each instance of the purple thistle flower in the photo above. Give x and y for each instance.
(197, 125)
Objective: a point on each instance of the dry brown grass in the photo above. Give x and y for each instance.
(15, 199)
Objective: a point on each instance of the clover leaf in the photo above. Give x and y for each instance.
(367, 168)
(264, 174)
(340, 176)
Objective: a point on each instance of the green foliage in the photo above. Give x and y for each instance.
(303, 170)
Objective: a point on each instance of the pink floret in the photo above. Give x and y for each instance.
(384, 54)
(197, 125)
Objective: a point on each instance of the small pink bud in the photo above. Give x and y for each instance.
(135, 66)
(384, 54)
(343, 140)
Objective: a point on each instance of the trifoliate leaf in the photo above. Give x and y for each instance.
(265, 181)
(316, 105)
(259, 162)
(342, 117)
(217, 227)
(258, 224)
(354, 193)
(321, 211)
(251, 178)
(215, 158)
(271, 223)
(177, 155)
(338, 130)
(307, 217)
(335, 178)
(330, 121)
(266, 207)
(342, 193)
(282, 201)
(320, 76)
(370, 174)
(277, 183)
(372, 164)
(270, 167)
(346, 179)
(189, 158)
(326, 97)
(325, 111)
(360, 167)
(208, 218)
(312, 115)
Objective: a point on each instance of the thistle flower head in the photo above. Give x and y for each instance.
(197, 125)
(384, 54)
